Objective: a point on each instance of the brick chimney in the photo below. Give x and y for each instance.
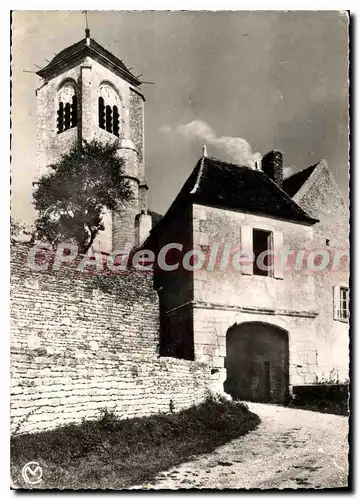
(272, 165)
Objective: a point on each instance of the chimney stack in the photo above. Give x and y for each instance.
(272, 165)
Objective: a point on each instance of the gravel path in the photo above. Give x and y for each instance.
(290, 449)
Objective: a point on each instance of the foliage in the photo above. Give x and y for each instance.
(325, 397)
(71, 198)
(108, 419)
(17, 228)
(114, 453)
(331, 378)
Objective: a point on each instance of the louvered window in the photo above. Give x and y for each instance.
(109, 110)
(67, 108)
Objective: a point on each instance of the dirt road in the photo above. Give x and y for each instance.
(290, 449)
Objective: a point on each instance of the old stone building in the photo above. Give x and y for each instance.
(160, 341)
(262, 331)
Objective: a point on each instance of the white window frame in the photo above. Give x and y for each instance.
(341, 303)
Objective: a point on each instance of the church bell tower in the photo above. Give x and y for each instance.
(88, 93)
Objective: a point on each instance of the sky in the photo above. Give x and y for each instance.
(241, 82)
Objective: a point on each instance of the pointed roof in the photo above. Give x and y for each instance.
(292, 184)
(155, 217)
(304, 180)
(226, 185)
(81, 49)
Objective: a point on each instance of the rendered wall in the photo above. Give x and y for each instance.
(224, 297)
(321, 198)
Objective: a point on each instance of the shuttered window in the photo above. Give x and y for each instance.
(246, 245)
(341, 303)
(262, 246)
(264, 249)
(278, 244)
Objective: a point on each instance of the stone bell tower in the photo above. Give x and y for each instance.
(88, 93)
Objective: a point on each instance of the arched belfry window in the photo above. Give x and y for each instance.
(109, 106)
(67, 107)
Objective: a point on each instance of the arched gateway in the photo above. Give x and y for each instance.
(257, 362)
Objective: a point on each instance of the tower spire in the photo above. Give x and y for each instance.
(87, 29)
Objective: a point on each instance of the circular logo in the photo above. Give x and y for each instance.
(32, 473)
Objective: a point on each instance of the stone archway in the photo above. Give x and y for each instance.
(257, 362)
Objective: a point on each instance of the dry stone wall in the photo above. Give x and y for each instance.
(79, 345)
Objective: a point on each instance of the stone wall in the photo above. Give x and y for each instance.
(87, 75)
(321, 198)
(175, 287)
(220, 298)
(136, 117)
(80, 343)
(225, 296)
(293, 291)
(212, 323)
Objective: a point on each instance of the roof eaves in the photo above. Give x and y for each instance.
(119, 67)
(51, 67)
(301, 211)
(307, 220)
(183, 197)
(134, 89)
(88, 50)
(302, 215)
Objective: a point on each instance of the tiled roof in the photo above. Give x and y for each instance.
(293, 183)
(217, 183)
(95, 50)
(155, 217)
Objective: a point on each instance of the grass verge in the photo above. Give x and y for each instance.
(322, 397)
(334, 408)
(115, 454)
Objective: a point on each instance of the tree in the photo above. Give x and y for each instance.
(15, 229)
(71, 198)
(18, 230)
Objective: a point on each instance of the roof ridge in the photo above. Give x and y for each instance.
(197, 182)
(304, 170)
(305, 187)
(239, 188)
(293, 184)
(154, 211)
(94, 50)
(237, 165)
(57, 55)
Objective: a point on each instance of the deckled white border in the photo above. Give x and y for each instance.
(176, 5)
